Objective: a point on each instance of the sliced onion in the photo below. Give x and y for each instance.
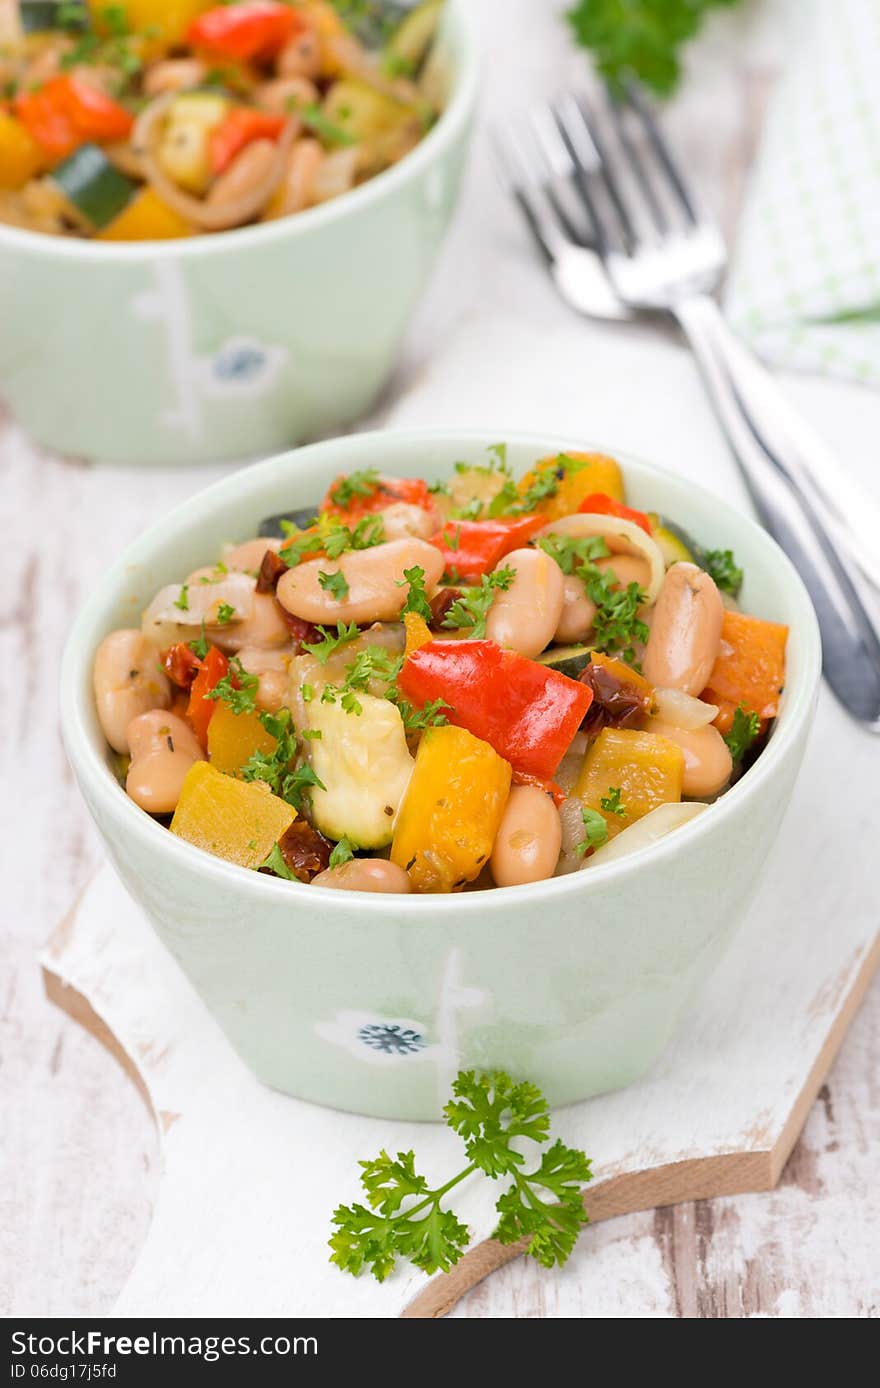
(621, 536)
(164, 622)
(195, 210)
(683, 710)
(656, 824)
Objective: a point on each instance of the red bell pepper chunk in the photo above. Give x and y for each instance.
(181, 664)
(385, 491)
(67, 111)
(527, 712)
(255, 29)
(238, 129)
(200, 709)
(472, 548)
(600, 504)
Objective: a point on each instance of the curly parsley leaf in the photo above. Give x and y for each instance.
(357, 484)
(276, 767)
(610, 803)
(617, 625)
(472, 608)
(330, 642)
(343, 852)
(182, 600)
(743, 730)
(416, 598)
(336, 584)
(640, 38)
(723, 568)
(595, 831)
(237, 689)
(405, 1217)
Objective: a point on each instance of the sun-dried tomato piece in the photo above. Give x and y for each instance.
(304, 850)
(616, 702)
(440, 605)
(271, 569)
(181, 664)
(300, 631)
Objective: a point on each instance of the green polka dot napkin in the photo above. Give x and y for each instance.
(805, 284)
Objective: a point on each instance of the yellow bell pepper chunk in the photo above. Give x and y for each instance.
(234, 737)
(236, 820)
(146, 218)
(646, 768)
(328, 26)
(584, 474)
(20, 156)
(451, 811)
(165, 22)
(418, 633)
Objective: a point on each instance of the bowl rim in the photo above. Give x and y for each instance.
(90, 765)
(452, 122)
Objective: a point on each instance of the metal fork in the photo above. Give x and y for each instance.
(624, 235)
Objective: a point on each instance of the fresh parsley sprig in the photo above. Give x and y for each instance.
(742, 732)
(641, 38)
(330, 642)
(595, 831)
(617, 625)
(611, 802)
(343, 852)
(472, 607)
(331, 538)
(416, 598)
(405, 1218)
(357, 484)
(723, 568)
(237, 689)
(276, 767)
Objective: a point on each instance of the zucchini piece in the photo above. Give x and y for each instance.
(410, 44)
(93, 186)
(364, 765)
(271, 525)
(568, 660)
(373, 22)
(675, 544)
(42, 16)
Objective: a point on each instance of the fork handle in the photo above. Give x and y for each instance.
(795, 514)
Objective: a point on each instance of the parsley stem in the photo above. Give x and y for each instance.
(435, 1196)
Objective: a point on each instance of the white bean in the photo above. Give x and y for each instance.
(525, 616)
(685, 630)
(127, 681)
(373, 586)
(163, 748)
(707, 759)
(528, 840)
(365, 875)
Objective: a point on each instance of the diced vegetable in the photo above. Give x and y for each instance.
(67, 111)
(146, 218)
(411, 41)
(254, 29)
(234, 737)
(600, 504)
(473, 548)
(675, 545)
(452, 810)
(362, 112)
(750, 668)
(418, 633)
(365, 766)
(568, 660)
(94, 187)
(361, 493)
(237, 129)
(652, 827)
(646, 769)
(559, 483)
(236, 820)
(165, 22)
(200, 709)
(20, 155)
(183, 152)
(527, 712)
(621, 696)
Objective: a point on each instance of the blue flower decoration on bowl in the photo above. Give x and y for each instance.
(239, 362)
(391, 1039)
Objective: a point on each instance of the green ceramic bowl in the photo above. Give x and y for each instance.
(239, 344)
(372, 1003)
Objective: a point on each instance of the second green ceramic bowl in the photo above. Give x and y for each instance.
(372, 1003)
(235, 345)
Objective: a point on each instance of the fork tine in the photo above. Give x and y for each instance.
(655, 135)
(636, 164)
(558, 161)
(517, 177)
(576, 122)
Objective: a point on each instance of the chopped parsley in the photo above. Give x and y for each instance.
(610, 803)
(237, 689)
(743, 730)
(330, 642)
(330, 537)
(723, 568)
(372, 663)
(343, 852)
(416, 598)
(183, 601)
(335, 584)
(416, 720)
(356, 484)
(201, 645)
(472, 608)
(327, 130)
(274, 768)
(595, 831)
(275, 863)
(617, 625)
(225, 614)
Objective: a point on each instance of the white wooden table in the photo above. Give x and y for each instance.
(78, 1153)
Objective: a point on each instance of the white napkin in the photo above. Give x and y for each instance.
(805, 285)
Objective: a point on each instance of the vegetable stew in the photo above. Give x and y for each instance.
(143, 121)
(485, 682)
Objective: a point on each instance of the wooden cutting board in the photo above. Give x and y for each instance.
(250, 1177)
